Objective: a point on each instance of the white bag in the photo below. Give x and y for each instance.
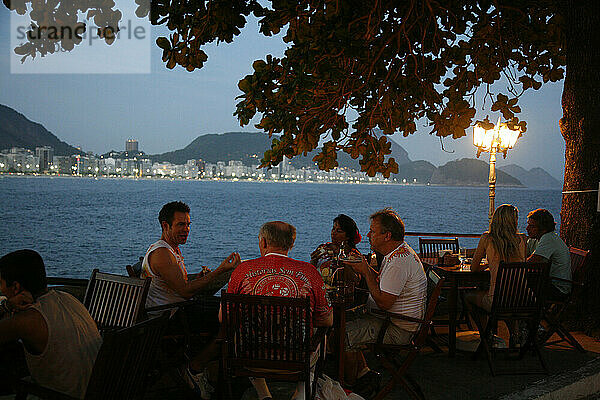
(329, 389)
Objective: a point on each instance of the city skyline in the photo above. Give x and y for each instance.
(167, 109)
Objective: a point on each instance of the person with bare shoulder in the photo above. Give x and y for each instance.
(502, 243)
(59, 337)
(163, 261)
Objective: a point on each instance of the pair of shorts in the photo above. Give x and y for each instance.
(365, 330)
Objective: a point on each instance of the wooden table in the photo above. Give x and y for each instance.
(455, 278)
(340, 303)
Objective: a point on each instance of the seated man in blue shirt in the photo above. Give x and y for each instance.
(545, 245)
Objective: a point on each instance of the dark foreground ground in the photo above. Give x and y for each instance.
(460, 377)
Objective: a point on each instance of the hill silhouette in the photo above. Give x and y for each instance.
(249, 147)
(18, 131)
(534, 178)
(469, 171)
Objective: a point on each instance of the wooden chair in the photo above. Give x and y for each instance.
(429, 250)
(135, 270)
(555, 310)
(121, 368)
(115, 301)
(270, 337)
(519, 295)
(397, 358)
(430, 247)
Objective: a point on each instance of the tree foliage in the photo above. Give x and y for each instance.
(389, 63)
(58, 25)
(351, 67)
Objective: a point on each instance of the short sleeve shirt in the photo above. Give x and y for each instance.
(402, 275)
(551, 247)
(278, 275)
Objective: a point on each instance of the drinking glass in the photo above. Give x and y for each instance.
(462, 257)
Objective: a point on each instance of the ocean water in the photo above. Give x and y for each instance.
(78, 224)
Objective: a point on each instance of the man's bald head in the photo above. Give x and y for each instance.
(278, 235)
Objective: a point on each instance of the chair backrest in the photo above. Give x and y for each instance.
(115, 301)
(124, 360)
(520, 290)
(135, 270)
(267, 332)
(421, 334)
(430, 247)
(578, 258)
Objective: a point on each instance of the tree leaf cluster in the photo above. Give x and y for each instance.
(389, 63)
(56, 25)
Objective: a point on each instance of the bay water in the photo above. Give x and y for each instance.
(78, 224)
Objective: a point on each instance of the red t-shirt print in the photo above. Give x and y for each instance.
(274, 275)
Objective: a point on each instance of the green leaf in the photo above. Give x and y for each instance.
(163, 43)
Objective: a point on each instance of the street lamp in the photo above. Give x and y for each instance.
(493, 138)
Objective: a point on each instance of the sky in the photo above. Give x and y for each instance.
(166, 109)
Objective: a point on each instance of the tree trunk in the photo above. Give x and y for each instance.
(580, 127)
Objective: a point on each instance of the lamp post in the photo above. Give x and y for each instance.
(495, 139)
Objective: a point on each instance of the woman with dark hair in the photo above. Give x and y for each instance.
(344, 235)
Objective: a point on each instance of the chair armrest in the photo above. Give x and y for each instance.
(553, 278)
(397, 316)
(179, 304)
(359, 309)
(318, 337)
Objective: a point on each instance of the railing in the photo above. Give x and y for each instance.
(61, 281)
(429, 234)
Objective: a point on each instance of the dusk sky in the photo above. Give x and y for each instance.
(167, 109)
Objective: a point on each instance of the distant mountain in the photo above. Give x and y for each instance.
(249, 148)
(240, 146)
(469, 171)
(420, 170)
(534, 178)
(17, 131)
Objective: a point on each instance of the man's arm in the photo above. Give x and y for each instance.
(537, 258)
(384, 300)
(164, 264)
(325, 321)
(28, 326)
(479, 253)
(543, 250)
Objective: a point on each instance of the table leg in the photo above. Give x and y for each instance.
(452, 307)
(341, 341)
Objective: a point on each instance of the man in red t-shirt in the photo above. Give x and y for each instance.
(275, 274)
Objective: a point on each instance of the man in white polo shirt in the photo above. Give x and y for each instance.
(400, 287)
(544, 245)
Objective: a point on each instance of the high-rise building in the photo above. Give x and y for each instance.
(131, 146)
(45, 156)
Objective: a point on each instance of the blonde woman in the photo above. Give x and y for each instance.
(502, 242)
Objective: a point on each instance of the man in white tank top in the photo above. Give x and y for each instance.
(163, 261)
(59, 337)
